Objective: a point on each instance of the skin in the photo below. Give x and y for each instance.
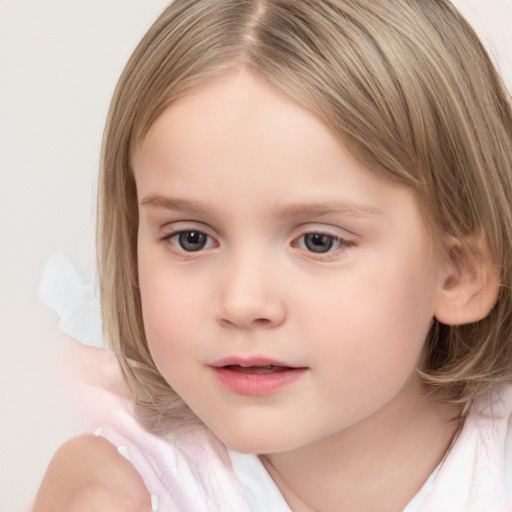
(87, 474)
(239, 162)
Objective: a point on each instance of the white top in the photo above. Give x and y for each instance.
(263, 494)
(474, 476)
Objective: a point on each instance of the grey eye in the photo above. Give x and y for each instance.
(318, 242)
(191, 241)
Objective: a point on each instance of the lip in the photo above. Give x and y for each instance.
(269, 375)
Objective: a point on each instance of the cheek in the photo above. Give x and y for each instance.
(377, 320)
(168, 313)
(170, 334)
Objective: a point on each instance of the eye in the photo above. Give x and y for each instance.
(190, 241)
(321, 243)
(318, 242)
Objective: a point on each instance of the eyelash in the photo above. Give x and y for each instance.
(340, 244)
(168, 239)
(175, 244)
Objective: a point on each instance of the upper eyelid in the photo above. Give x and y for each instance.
(169, 236)
(173, 232)
(344, 240)
(324, 229)
(186, 225)
(327, 232)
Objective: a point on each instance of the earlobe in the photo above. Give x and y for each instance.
(470, 283)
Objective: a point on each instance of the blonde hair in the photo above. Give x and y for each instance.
(411, 92)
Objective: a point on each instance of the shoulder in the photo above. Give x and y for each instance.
(95, 452)
(88, 473)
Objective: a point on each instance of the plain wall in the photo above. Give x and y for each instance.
(59, 62)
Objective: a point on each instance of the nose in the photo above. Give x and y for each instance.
(250, 296)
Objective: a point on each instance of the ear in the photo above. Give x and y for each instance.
(470, 282)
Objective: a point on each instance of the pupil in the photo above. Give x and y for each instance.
(316, 242)
(192, 240)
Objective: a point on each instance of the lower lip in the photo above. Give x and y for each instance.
(257, 384)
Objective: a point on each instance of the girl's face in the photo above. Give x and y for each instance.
(286, 293)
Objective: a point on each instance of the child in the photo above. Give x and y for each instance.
(305, 249)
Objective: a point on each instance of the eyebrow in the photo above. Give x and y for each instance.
(315, 209)
(168, 203)
(319, 209)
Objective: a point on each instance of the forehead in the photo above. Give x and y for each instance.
(242, 142)
(239, 98)
(240, 119)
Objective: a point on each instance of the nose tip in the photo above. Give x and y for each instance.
(250, 302)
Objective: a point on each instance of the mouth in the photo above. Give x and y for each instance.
(257, 370)
(255, 376)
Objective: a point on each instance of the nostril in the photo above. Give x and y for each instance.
(257, 322)
(261, 322)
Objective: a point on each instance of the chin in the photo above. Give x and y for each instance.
(261, 442)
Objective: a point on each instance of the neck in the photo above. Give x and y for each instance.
(377, 465)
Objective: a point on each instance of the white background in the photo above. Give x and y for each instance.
(59, 61)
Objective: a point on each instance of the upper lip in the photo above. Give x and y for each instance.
(250, 361)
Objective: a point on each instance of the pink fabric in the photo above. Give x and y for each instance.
(189, 471)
